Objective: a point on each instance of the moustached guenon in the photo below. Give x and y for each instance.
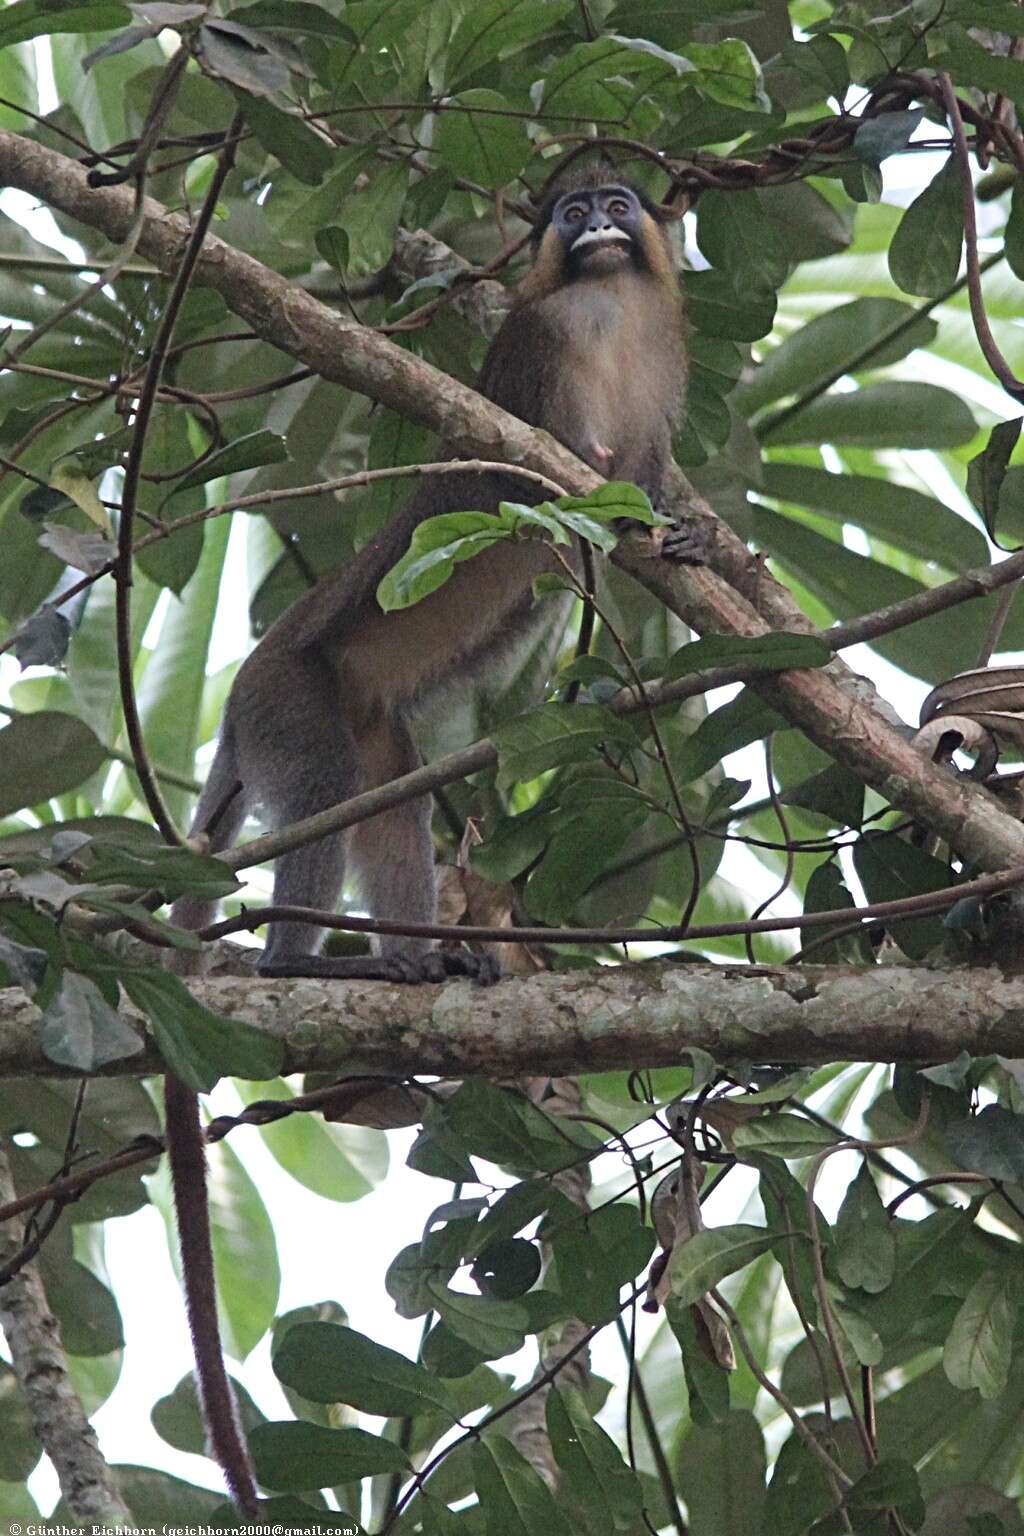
(592, 350)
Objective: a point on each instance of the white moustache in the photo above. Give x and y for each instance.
(600, 237)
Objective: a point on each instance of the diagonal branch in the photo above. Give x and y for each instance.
(829, 705)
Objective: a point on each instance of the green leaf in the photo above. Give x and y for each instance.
(81, 1030)
(901, 516)
(198, 1045)
(25, 966)
(41, 18)
(706, 1258)
(43, 755)
(178, 1418)
(338, 1365)
(289, 139)
(436, 546)
(745, 719)
(294, 1456)
(865, 1239)
(606, 504)
(737, 237)
(332, 245)
(887, 134)
(891, 1484)
(980, 1346)
(553, 735)
(506, 1268)
(728, 73)
(854, 336)
(597, 1477)
(890, 869)
(891, 415)
(722, 1474)
(770, 653)
(506, 1128)
(718, 308)
(990, 1142)
(585, 842)
(243, 57)
(596, 1256)
(490, 1327)
(370, 219)
(339, 1162)
(924, 255)
(294, 16)
(249, 452)
(987, 471)
(783, 1136)
(515, 1499)
(491, 30)
(482, 144)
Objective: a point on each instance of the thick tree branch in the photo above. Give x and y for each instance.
(822, 703)
(605, 1019)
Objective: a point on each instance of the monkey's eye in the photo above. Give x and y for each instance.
(618, 208)
(574, 214)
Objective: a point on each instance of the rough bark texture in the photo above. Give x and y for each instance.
(60, 1421)
(824, 703)
(609, 1018)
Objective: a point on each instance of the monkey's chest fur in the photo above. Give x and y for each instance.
(598, 364)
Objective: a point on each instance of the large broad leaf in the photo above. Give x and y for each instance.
(901, 516)
(924, 257)
(707, 1257)
(340, 1162)
(882, 416)
(516, 1500)
(596, 1475)
(295, 1456)
(37, 18)
(200, 1046)
(979, 1349)
(44, 755)
(338, 1365)
(866, 333)
(475, 139)
(721, 1475)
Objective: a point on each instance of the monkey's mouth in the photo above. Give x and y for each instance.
(600, 241)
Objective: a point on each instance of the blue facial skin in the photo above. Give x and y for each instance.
(599, 227)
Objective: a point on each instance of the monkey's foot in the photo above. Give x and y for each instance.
(689, 543)
(436, 965)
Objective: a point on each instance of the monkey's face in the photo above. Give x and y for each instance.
(599, 228)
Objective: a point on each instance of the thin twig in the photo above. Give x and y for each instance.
(132, 474)
(982, 330)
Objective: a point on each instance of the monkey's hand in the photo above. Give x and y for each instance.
(687, 541)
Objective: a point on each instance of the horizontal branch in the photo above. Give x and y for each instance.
(826, 704)
(609, 1018)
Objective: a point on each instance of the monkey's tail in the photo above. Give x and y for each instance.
(219, 814)
(186, 1149)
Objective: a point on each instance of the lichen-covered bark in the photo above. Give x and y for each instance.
(608, 1018)
(39, 1363)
